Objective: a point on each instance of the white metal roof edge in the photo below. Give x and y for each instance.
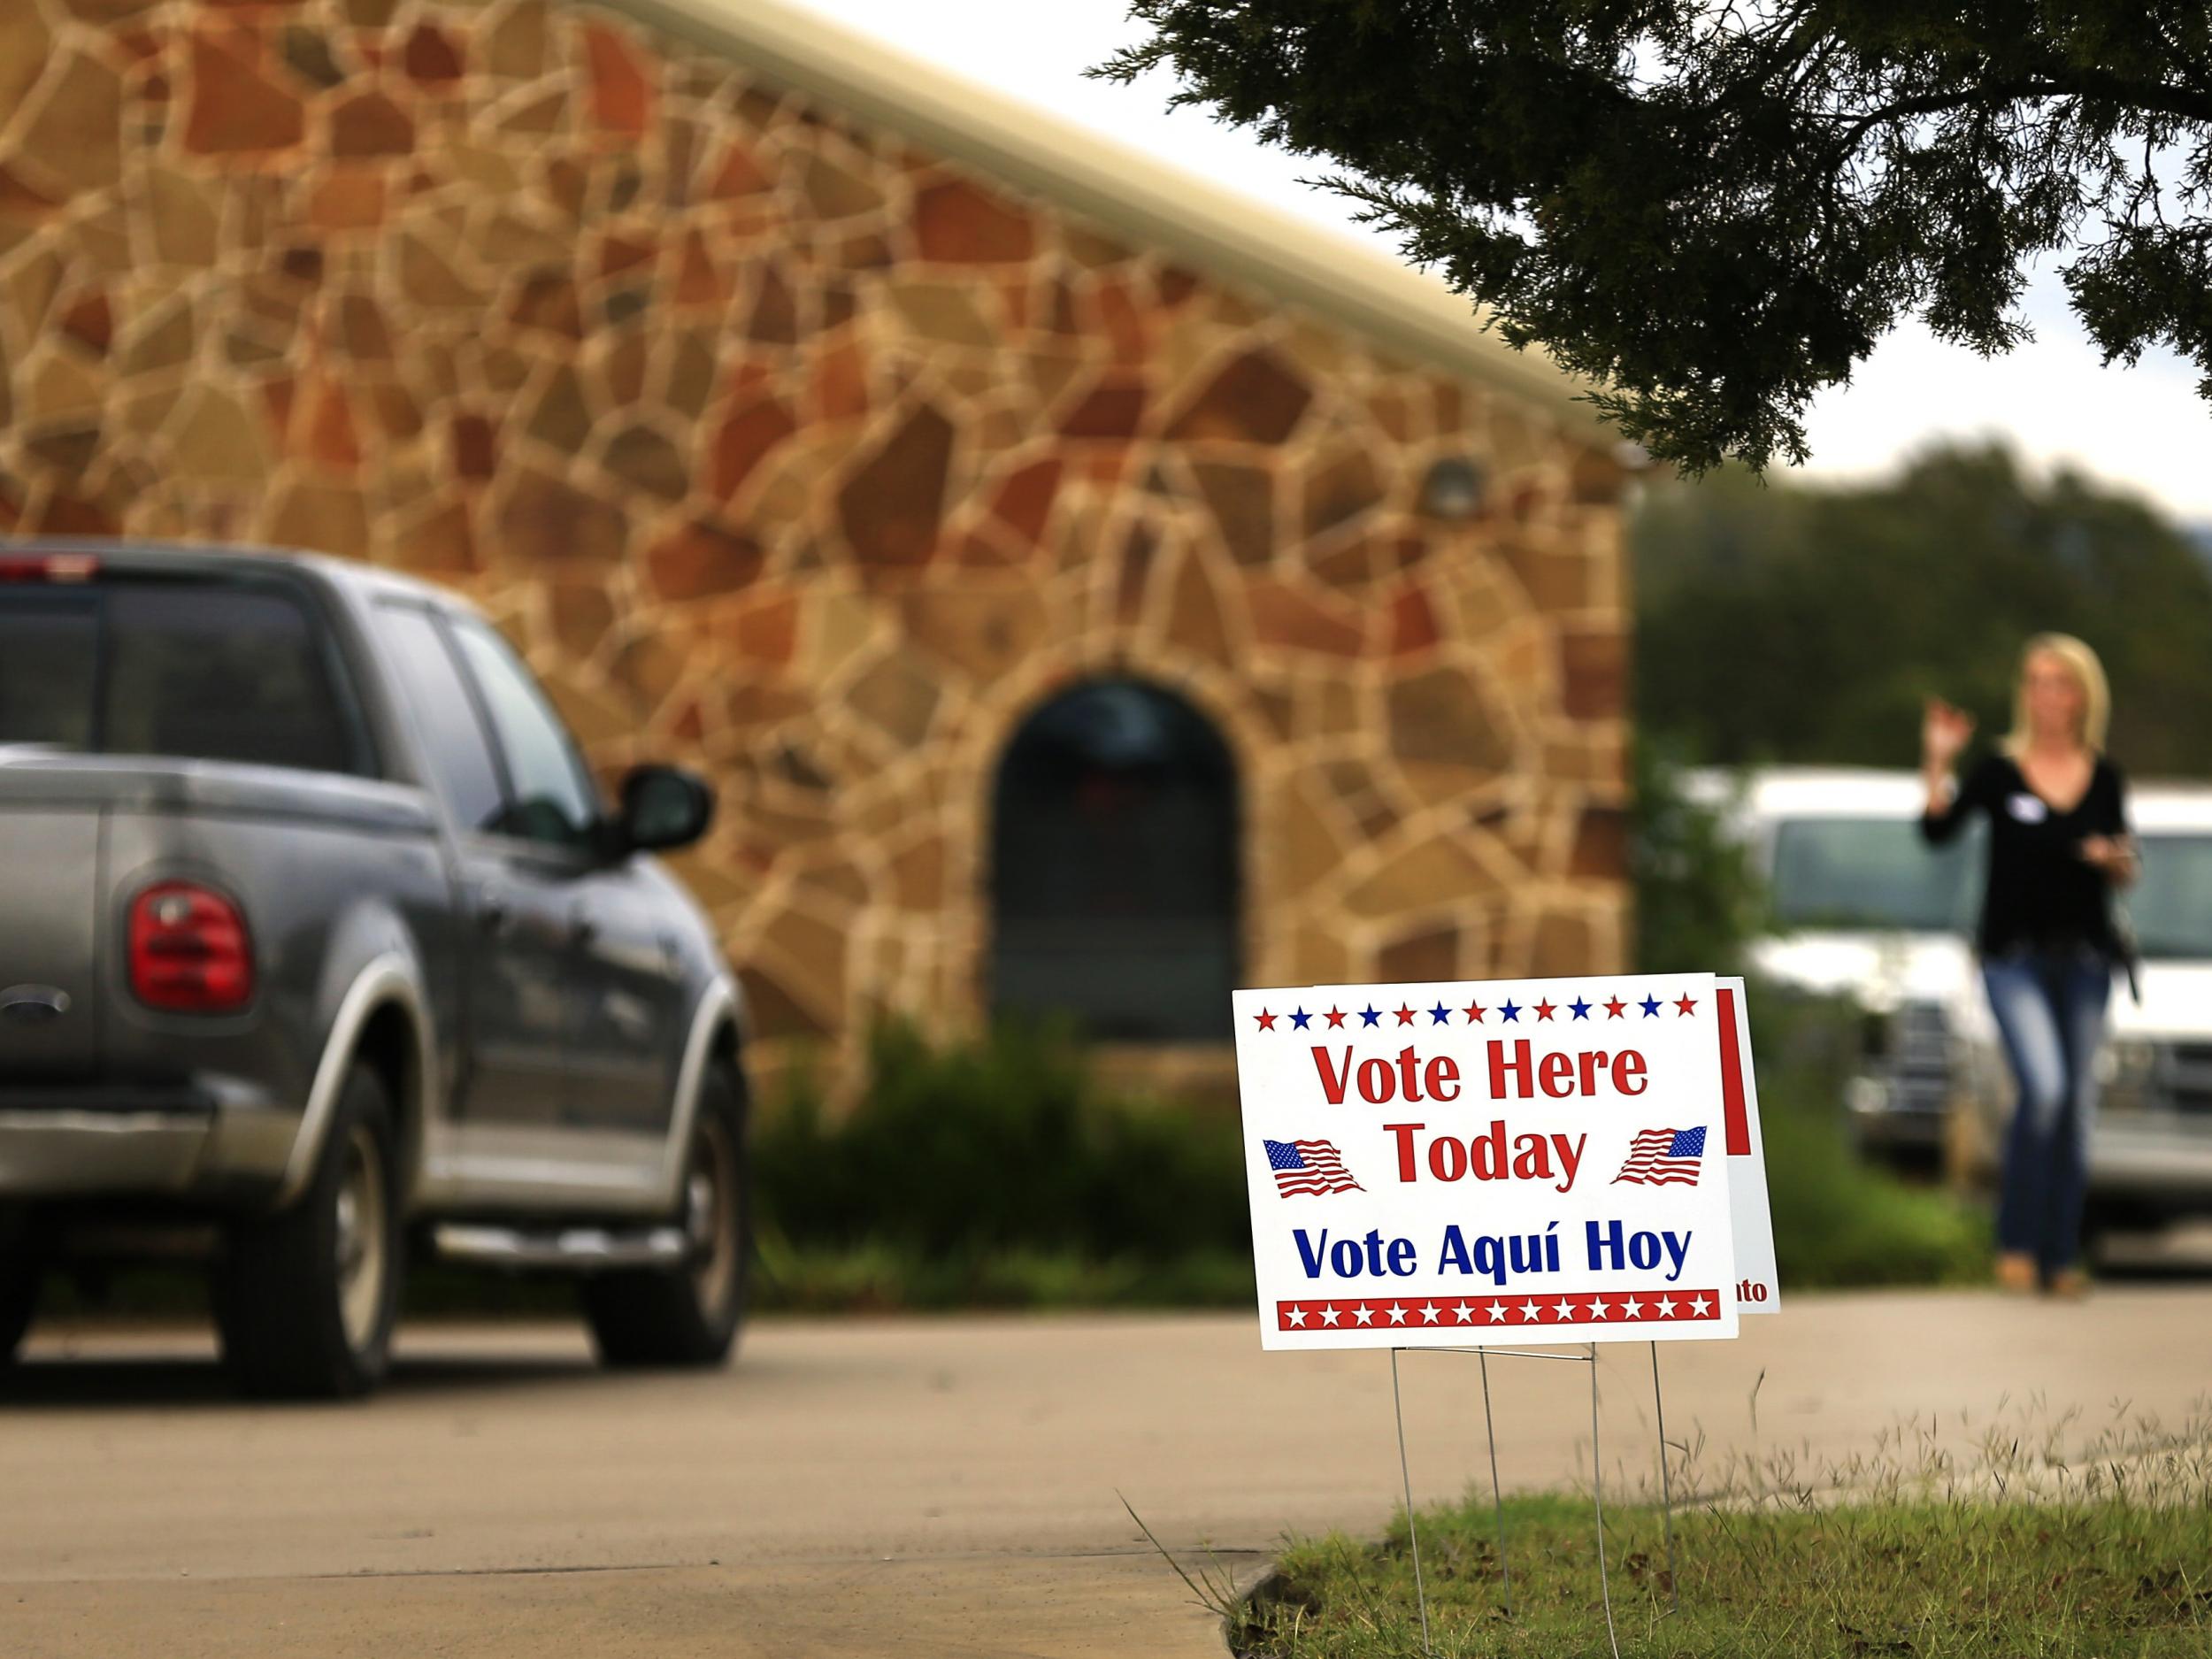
(1215, 229)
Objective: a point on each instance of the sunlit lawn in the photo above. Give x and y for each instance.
(2046, 1546)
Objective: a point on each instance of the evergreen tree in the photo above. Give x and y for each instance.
(1714, 210)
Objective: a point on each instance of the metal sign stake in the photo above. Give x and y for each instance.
(1413, 1533)
(1597, 1498)
(1497, 1495)
(1666, 1491)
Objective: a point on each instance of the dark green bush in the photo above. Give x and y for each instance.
(1838, 1220)
(971, 1151)
(1699, 901)
(998, 1174)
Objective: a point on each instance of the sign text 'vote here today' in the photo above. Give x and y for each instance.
(1498, 1162)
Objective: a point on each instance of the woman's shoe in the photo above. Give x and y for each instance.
(2015, 1271)
(2071, 1284)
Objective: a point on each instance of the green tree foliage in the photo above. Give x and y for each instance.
(1797, 624)
(1714, 211)
(1697, 901)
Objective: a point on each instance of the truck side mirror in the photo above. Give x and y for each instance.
(663, 807)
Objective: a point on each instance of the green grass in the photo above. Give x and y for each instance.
(2021, 1548)
(1978, 1579)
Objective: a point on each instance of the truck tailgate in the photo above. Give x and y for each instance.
(50, 940)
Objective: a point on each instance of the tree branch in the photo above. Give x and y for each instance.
(2188, 102)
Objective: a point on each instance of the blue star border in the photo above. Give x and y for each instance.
(1508, 1012)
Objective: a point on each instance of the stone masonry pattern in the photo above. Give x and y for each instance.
(789, 451)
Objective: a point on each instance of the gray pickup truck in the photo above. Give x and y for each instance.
(317, 945)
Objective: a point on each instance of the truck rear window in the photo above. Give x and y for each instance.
(192, 669)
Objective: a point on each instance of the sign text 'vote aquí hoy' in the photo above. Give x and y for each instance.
(1490, 1164)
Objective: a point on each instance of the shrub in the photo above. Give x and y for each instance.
(996, 1173)
(1837, 1220)
(1699, 901)
(998, 1169)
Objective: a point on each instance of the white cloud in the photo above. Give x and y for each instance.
(2144, 428)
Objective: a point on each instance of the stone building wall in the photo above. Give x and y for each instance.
(789, 450)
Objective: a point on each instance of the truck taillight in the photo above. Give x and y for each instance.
(48, 567)
(190, 952)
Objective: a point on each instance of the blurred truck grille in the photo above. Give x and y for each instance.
(1908, 1051)
(2181, 1078)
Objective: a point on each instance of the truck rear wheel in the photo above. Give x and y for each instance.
(305, 1299)
(689, 1315)
(21, 1274)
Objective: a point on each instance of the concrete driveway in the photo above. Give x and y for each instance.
(909, 1486)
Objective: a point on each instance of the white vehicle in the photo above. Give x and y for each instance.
(2150, 1157)
(1868, 908)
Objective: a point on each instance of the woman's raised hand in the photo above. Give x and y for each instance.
(1944, 732)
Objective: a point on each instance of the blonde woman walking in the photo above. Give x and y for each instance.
(2058, 846)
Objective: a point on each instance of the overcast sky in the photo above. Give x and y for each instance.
(2144, 427)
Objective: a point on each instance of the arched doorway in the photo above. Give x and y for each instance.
(1114, 868)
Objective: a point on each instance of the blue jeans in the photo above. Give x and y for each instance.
(2050, 1010)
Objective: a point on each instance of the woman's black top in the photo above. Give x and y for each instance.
(2042, 893)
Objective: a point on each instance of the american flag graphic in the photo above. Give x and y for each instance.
(1308, 1166)
(1665, 1157)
